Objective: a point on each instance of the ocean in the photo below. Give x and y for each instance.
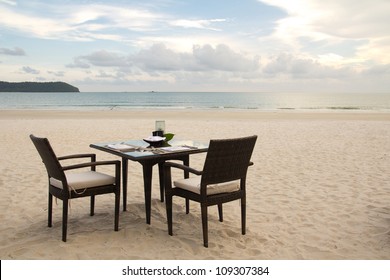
(195, 100)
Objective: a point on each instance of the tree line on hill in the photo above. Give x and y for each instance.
(37, 87)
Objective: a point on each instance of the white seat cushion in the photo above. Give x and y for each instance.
(84, 180)
(193, 185)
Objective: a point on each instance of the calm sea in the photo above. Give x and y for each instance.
(196, 100)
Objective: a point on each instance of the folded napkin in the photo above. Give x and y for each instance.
(166, 150)
(121, 147)
(175, 149)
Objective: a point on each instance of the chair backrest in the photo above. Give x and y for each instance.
(227, 159)
(49, 158)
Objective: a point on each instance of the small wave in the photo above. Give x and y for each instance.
(336, 108)
(344, 108)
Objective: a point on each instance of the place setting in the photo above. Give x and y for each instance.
(158, 143)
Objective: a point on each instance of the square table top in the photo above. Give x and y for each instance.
(139, 150)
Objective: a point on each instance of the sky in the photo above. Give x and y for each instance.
(198, 45)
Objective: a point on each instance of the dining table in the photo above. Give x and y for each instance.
(149, 155)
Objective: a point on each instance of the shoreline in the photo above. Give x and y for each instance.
(196, 114)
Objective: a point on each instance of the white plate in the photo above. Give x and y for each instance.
(154, 139)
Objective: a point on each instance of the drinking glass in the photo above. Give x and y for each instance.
(160, 126)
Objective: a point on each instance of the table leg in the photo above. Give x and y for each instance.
(161, 175)
(186, 161)
(148, 170)
(125, 169)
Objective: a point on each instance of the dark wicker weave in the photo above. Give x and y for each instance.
(56, 170)
(226, 160)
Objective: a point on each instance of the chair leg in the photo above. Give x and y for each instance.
(92, 205)
(50, 211)
(117, 203)
(220, 212)
(204, 225)
(64, 219)
(187, 206)
(243, 216)
(186, 161)
(168, 201)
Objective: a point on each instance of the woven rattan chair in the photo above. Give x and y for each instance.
(66, 185)
(222, 180)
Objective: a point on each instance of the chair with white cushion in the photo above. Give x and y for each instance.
(66, 185)
(223, 179)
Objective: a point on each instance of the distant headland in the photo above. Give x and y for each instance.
(37, 87)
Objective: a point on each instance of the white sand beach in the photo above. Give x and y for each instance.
(319, 188)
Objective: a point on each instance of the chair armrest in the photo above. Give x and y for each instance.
(183, 167)
(95, 163)
(92, 156)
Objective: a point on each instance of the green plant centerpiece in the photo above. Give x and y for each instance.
(168, 137)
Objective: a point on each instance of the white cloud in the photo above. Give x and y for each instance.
(100, 17)
(221, 67)
(9, 2)
(223, 58)
(30, 25)
(79, 63)
(303, 68)
(376, 49)
(335, 21)
(200, 24)
(106, 59)
(160, 58)
(78, 22)
(82, 22)
(343, 18)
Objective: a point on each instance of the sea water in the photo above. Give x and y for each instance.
(195, 100)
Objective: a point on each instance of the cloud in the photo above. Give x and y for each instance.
(29, 70)
(105, 58)
(333, 22)
(40, 79)
(108, 22)
(202, 58)
(223, 58)
(79, 62)
(57, 73)
(80, 22)
(340, 18)
(214, 65)
(303, 68)
(15, 52)
(378, 71)
(159, 58)
(98, 17)
(199, 24)
(9, 2)
(100, 58)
